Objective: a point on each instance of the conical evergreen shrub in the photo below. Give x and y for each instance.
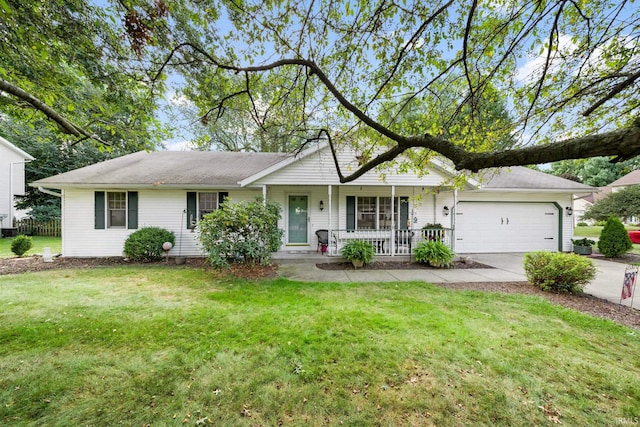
(614, 239)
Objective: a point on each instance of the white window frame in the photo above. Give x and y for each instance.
(200, 209)
(396, 214)
(109, 209)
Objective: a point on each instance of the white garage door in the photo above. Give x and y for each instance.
(506, 227)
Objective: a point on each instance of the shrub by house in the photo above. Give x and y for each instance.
(244, 232)
(146, 244)
(559, 272)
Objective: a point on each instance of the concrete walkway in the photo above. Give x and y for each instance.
(507, 268)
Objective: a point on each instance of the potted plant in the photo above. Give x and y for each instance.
(433, 232)
(358, 252)
(583, 246)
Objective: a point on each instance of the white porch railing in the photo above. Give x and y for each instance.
(388, 242)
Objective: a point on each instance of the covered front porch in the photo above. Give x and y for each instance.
(394, 219)
(386, 242)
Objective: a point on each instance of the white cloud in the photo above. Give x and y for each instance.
(535, 64)
(177, 145)
(179, 100)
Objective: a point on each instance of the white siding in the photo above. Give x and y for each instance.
(158, 208)
(319, 167)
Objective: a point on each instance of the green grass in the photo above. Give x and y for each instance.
(39, 243)
(167, 346)
(588, 231)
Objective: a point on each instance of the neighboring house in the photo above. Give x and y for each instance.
(12, 179)
(583, 201)
(511, 210)
(632, 178)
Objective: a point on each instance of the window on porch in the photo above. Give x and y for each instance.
(376, 213)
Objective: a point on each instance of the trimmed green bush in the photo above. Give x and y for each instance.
(434, 253)
(614, 239)
(245, 232)
(146, 244)
(21, 244)
(358, 250)
(559, 272)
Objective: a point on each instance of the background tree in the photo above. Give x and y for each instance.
(624, 204)
(597, 171)
(53, 155)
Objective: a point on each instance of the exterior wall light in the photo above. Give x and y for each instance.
(321, 205)
(569, 210)
(445, 211)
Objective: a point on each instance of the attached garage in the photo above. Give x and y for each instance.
(507, 227)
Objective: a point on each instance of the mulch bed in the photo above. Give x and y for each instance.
(584, 303)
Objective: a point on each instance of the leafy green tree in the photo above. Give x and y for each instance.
(614, 239)
(597, 171)
(339, 70)
(346, 70)
(624, 203)
(65, 63)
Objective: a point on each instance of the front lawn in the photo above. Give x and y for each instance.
(39, 243)
(168, 346)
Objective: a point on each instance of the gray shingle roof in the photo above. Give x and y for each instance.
(519, 177)
(168, 168)
(632, 178)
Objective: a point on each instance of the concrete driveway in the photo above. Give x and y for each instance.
(507, 268)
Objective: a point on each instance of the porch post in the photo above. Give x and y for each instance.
(392, 242)
(330, 224)
(264, 194)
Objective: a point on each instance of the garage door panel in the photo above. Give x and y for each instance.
(506, 227)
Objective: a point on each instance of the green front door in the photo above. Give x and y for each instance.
(298, 219)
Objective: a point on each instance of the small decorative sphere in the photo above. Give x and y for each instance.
(167, 246)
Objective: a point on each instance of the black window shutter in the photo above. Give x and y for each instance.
(404, 213)
(192, 215)
(222, 196)
(99, 214)
(351, 212)
(132, 213)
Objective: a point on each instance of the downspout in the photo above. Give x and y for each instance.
(62, 217)
(435, 203)
(453, 219)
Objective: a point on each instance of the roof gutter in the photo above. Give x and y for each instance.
(46, 191)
